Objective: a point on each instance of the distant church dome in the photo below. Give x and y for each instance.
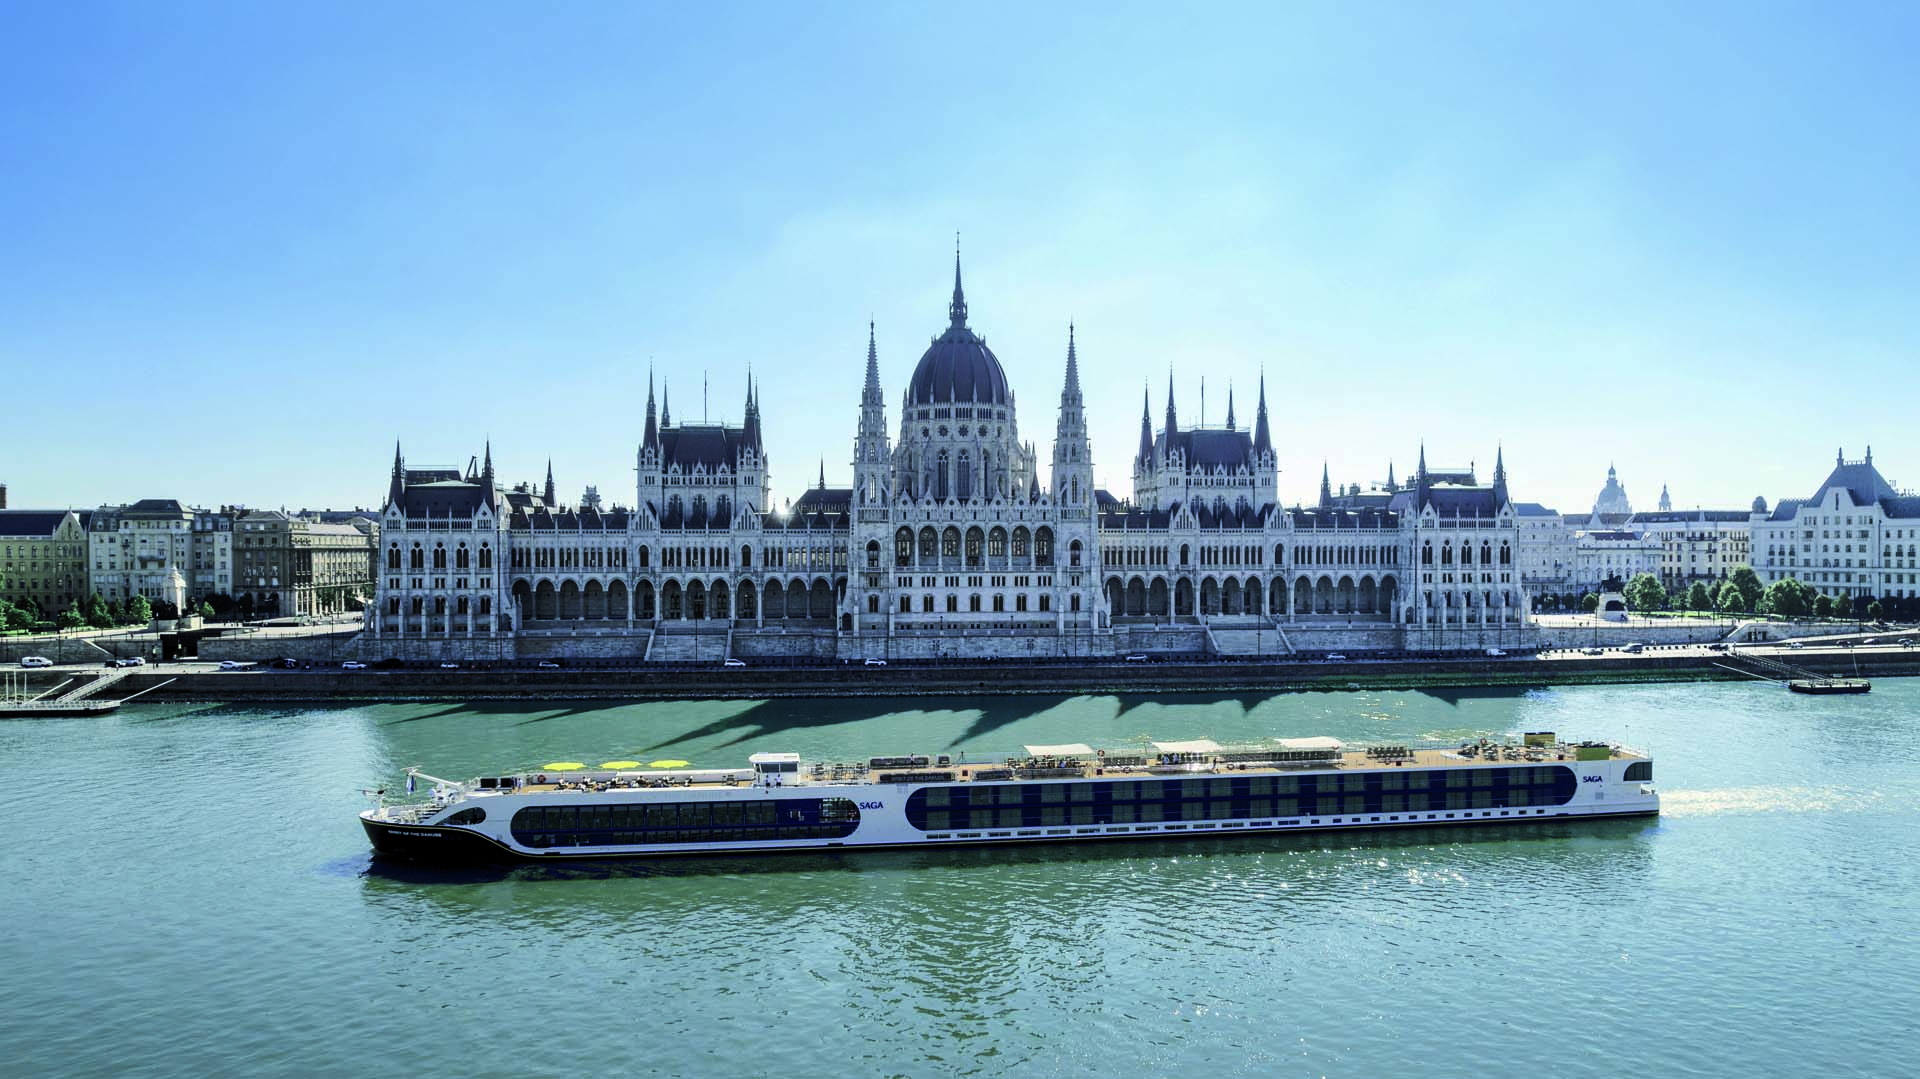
(958, 366)
(1759, 504)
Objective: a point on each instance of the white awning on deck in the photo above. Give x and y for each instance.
(1198, 745)
(1071, 749)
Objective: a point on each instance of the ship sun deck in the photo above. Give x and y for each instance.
(1191, 759)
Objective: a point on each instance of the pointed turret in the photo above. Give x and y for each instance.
(870, 393)
(650, 439)
(1666, 501)
(666, 406)
(1145, 455)
(1390, 484)
(1326, 488)
(1230, 425)
(487, 482)
(1500, 476)
(1262, 436)
(1071, 392)
(548, 496)
(1420, 479)
(1173, 417)
(398, 485)
(957, 309)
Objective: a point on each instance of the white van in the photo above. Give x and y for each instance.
(35, 661)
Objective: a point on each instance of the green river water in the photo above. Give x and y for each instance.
(187, 892)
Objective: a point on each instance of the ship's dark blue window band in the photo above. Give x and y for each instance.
(1639, 772)
(621, 824)
(1210, 798)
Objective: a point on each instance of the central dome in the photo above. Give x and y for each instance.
(958, 367)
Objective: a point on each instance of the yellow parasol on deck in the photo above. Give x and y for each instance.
(565, 766)
(669, 764)
(621, 764)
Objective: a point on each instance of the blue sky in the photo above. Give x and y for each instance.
(244, 247)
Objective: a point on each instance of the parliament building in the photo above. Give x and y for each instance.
(952, 541)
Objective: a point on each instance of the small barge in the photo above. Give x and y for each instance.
(1823, 686)
(1059, 793)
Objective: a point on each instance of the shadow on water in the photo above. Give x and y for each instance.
(1519, 837)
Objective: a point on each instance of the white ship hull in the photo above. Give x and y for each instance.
(571, 825)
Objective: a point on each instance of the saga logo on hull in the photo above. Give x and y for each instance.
(873, 805)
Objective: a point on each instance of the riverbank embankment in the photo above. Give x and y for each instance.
(1001, 678)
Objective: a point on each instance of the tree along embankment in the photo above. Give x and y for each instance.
(688, 683)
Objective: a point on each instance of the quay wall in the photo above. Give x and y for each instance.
(964, 679)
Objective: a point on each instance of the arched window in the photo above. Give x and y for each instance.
(1426, 553)
(417, 560)
(746, 556)
(1043, 547)
(1279, 553)
(902, 547)
(873, 554)
(1073, 554)
(722, 512)
(965, 486)
(644, 555)
(950, 543)
(1446, 554)
(929, 544)
(461, 560)
(1506, 556)
(486, 556)
(393, 556)
(940, 477)
(1486, 553)
(439, 556)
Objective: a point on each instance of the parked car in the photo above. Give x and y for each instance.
(233, 665)
(130, 661)
(449, 666)
(734, 663)
(876, 663)
(1716, 647)
(1593, 651)
(1906, 642)
(1634, 648)
(1137, 658)
(549, 665)
(353, 665)
(1795, 644)
(1494, 653)
(1336, 657)
(35, 661)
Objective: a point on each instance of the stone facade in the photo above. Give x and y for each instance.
(1697, 546)
(1856, 536)
(144, 549)
(948, 541)
(43, 558)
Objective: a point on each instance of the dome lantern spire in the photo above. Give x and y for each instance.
(957, 310)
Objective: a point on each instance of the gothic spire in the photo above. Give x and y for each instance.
(1262, 437)
(957, 310)
(549, 492)
(1229, 406)
(1071, 394)
(1390, 484)
(1145, 455)
(398, 486)
(1500, 475)
(1173, 418)
(1326, 488)
(870, 394)
(650, 439)
(666, 406)
(823, 473)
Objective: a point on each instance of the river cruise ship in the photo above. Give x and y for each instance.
(1059, 793)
